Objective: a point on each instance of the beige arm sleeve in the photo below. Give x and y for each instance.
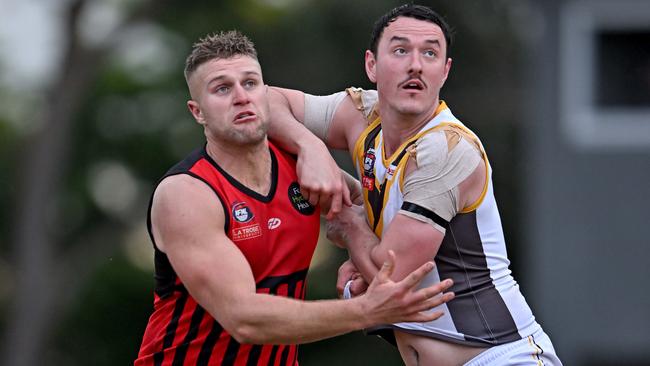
(319, 110)
(433, 185)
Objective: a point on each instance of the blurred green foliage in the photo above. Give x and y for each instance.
(106, 324)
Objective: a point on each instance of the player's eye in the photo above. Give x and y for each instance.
(223, 89)
(430, 53)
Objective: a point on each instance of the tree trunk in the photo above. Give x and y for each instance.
(43, 284)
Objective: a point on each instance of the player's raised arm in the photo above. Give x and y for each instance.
(321, 181)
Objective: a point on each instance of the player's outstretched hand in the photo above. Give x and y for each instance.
(387, 301)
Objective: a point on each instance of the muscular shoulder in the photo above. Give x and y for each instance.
(364, 101)
(182, 189)
(441, 161)
(444, 152)
(430, 152)
(181, 205)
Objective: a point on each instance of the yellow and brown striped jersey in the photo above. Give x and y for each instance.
(488, 308)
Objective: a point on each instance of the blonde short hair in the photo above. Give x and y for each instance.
(222, 45)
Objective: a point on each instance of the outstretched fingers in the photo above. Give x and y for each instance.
(421, 311)
(387, 268)
(414, 278)
(424, 317)
(433, 290)
(432, 302)
(340, 195)
(335, 205)
(429, 298)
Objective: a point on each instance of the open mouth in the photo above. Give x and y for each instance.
(413, 85)
(244, 116)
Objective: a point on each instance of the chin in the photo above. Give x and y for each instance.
(410, 105)
(411, 109)
(250, 137)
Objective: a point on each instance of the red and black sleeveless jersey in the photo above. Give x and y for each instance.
(276, 233)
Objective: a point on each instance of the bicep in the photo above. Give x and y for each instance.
(352, 116)
(414, 242)
(314, 111)
(346, 125)
(336, 119)
(189, 226)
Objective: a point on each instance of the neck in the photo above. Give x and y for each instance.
(398, 127)
(248, 164)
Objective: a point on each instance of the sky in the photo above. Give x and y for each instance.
(29, 42)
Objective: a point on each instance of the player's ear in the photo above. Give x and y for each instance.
(196, 111)
(447, 69)
(371, 64)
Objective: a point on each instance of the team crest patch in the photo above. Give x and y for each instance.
(368, 178)
(369, 161)
(241, 212)
(298, 201)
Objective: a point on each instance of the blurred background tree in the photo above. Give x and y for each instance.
(84, 141)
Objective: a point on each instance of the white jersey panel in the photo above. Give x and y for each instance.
(488, 220)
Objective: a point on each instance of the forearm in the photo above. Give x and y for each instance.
(279, 320)
(264, 319)
(295, 138)
(362, 243)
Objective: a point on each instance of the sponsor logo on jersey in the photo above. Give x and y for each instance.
(390, 172)
(274, 223)
(246, 232)
(298, 201)
(241, 212)
(368, 183)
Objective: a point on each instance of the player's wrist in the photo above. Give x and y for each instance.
(362, 312)
(308, 143)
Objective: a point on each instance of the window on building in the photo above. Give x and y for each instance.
(604, 76)
(622, 70)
